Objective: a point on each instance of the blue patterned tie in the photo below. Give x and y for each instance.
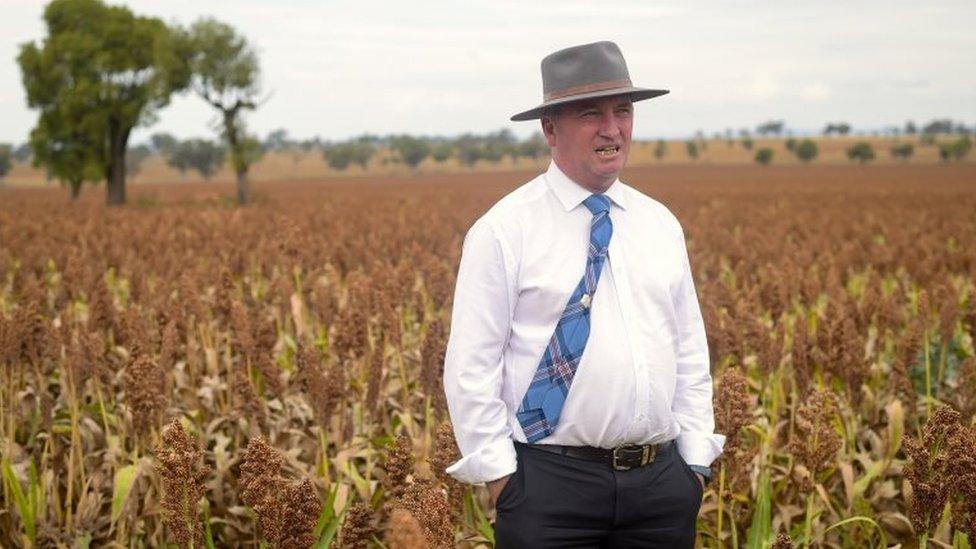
(543, 401)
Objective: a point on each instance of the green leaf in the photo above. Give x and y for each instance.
(762, 518)
(861, 518)
(361, 484)
(20, 501)
(875, 469)
(83, 542)
(124, 478)
(328, 512)
(481, 521)
(332, 527)
(207, 532)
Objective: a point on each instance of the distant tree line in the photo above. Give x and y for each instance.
(467, 149)
(207, 157)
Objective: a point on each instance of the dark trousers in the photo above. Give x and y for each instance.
(558, 501)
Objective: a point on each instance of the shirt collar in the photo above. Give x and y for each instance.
(571, 194)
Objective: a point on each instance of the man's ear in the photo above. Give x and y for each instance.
(549, 130)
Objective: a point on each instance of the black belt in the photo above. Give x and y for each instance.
(621, 458)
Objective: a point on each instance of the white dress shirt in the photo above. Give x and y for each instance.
(644, 375)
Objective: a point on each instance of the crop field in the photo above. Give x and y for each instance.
(181, 371)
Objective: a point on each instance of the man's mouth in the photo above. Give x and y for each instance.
(608, 151)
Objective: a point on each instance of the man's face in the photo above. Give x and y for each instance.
(590, 139)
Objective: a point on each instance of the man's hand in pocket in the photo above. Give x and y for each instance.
(495, 488)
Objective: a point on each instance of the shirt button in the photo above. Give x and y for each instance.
(585, 301)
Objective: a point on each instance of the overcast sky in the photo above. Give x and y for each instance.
(338, 69)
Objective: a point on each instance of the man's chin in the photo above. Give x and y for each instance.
(609, 171)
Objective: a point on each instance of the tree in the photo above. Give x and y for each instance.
(955, 150)
(772, 127)
(102, 71)
(6, 159)
(364, 147)
(206, 157)
(412, 150)
(862, 152)
(469, 150)
(202, 155)
(660, 149)
(535, 146)
(162, 143)
(962, 147)
(225, 72)
(66, 150)
(441, 152)
(178, 157)
(277, 141)
(340, 155)
(840, 128)
(746, 139)
(134, 158)
(806, 150)
(692, 149)
(498, 144)
(902, 150)
(23, 152)
(790, 144)
(943, 125)
(764, 156)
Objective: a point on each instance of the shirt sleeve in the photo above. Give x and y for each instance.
(692, 405)
(480, 327)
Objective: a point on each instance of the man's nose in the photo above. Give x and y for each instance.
(609, 126)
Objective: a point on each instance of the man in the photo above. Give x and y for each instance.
(577, 372)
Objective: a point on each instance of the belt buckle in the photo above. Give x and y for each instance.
(647, 455)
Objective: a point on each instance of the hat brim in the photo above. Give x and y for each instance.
(636, 94)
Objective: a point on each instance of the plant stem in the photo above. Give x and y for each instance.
(928, 377)
(942, 364)
(808, 521)
(720, 503)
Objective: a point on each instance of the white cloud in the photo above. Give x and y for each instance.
(815, 92)
(763, 86)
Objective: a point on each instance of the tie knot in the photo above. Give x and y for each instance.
(597, 203)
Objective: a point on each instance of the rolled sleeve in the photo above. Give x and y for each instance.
(490, 462)
(692, 405)
(480, 327)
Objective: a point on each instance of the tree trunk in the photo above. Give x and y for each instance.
(238, 162)
(75, 189)
(115, 176)
(243, 193)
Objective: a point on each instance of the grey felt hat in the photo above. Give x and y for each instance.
(584, 72)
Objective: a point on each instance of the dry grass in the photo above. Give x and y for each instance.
(300, 340)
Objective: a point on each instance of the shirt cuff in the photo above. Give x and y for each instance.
(700, 448)
(703, 471)
(490, 462)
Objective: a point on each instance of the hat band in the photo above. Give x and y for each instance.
(587, 88)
